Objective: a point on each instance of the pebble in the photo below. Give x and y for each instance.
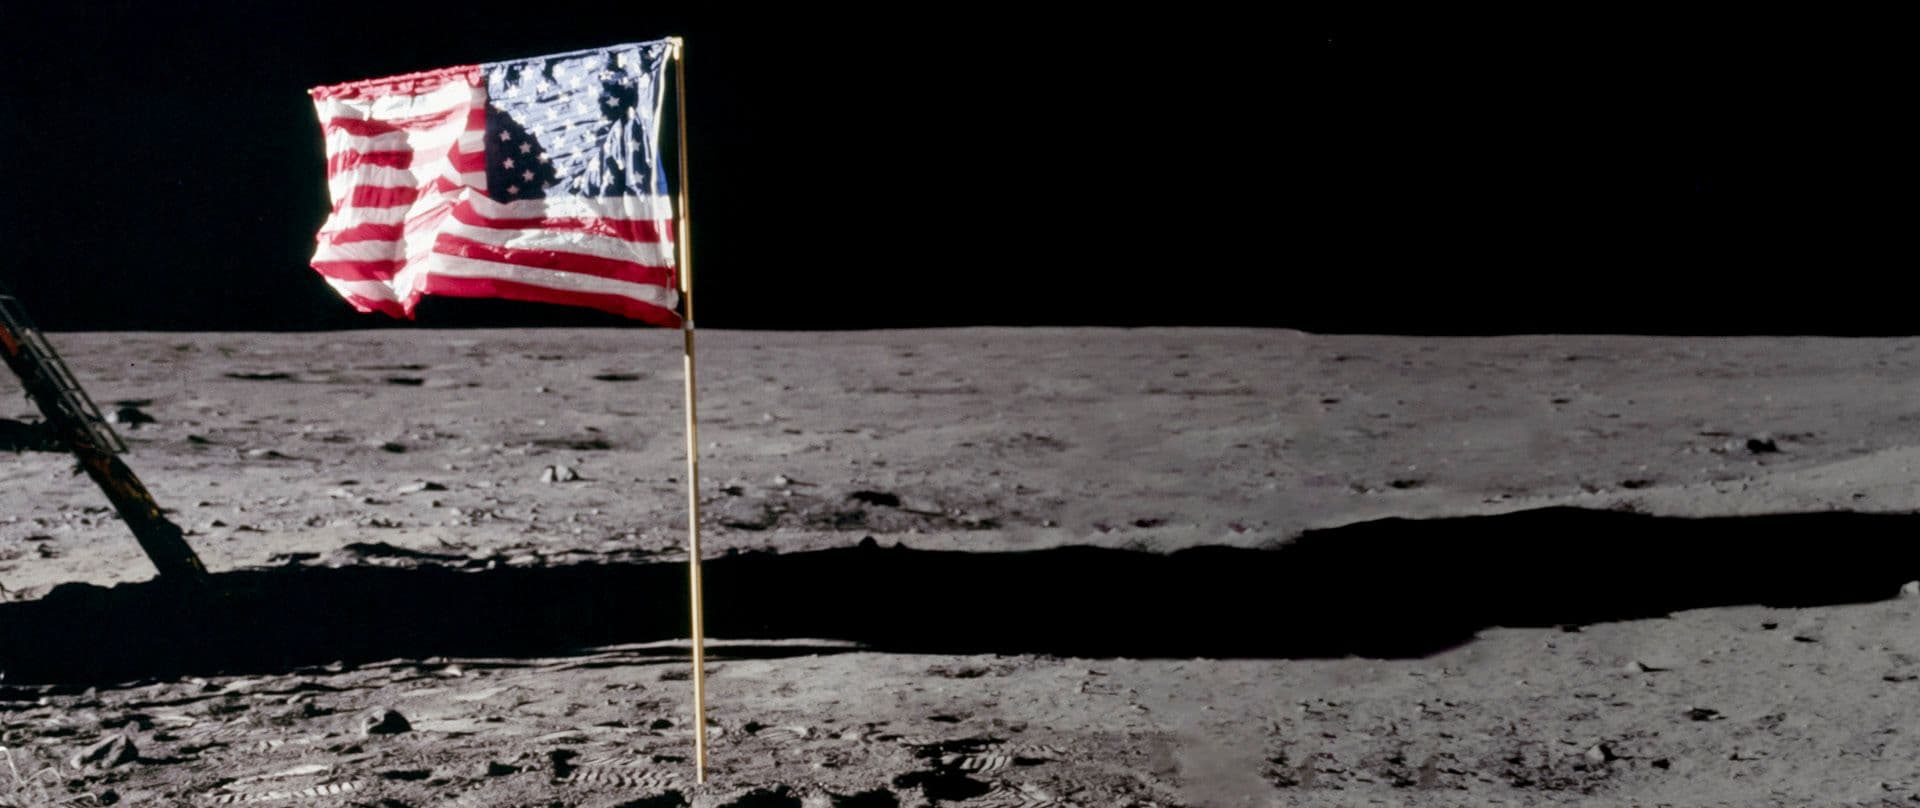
(1599, 754)
(109, 752)
(414, 488)
(383, 721)
(559, 474)
(129, 416)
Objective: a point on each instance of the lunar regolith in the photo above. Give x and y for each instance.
(976, 567)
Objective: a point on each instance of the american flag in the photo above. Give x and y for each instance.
(537, 179)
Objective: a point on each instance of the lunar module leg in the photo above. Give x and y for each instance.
(74, 418)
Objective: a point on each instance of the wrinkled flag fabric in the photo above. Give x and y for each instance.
(535, 179)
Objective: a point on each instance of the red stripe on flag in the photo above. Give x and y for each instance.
(419, 83)
(490, 287)
(347, 160)
(364, 232)
(374, 196)
(388, 307)
(644, 230)
(377, 231)
(629, 271)
(358, 127)
(359, 270)
(464, 162)
(361, 127)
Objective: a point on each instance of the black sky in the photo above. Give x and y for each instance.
(981, 165)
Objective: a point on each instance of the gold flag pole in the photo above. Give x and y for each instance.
(685, 262)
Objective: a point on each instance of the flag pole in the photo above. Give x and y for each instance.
(684, 246)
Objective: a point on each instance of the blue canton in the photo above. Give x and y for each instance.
(576, 124)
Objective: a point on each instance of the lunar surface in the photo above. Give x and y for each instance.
(976, 567)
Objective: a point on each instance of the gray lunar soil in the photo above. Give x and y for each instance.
(1527, 571)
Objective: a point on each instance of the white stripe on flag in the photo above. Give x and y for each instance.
(401, 106)
(651, 253)
(457, 267)
(371, 290)
(429, 141)
(652, 206)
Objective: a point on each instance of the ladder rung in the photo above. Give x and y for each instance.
(71, 398)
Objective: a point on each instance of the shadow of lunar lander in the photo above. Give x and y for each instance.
(1393, 588)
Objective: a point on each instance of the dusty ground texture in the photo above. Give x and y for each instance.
(1670, 643)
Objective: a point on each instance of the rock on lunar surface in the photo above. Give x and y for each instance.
(129, 416)
(107, 753)
(383, 721)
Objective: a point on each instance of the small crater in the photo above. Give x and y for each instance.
(406, 774)
(942, 786)
(781, 797)
(665, 799)
(877, 798)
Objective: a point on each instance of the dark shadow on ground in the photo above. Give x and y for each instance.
(1391, 588)
(28, 436)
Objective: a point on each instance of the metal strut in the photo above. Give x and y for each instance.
(76, 421)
